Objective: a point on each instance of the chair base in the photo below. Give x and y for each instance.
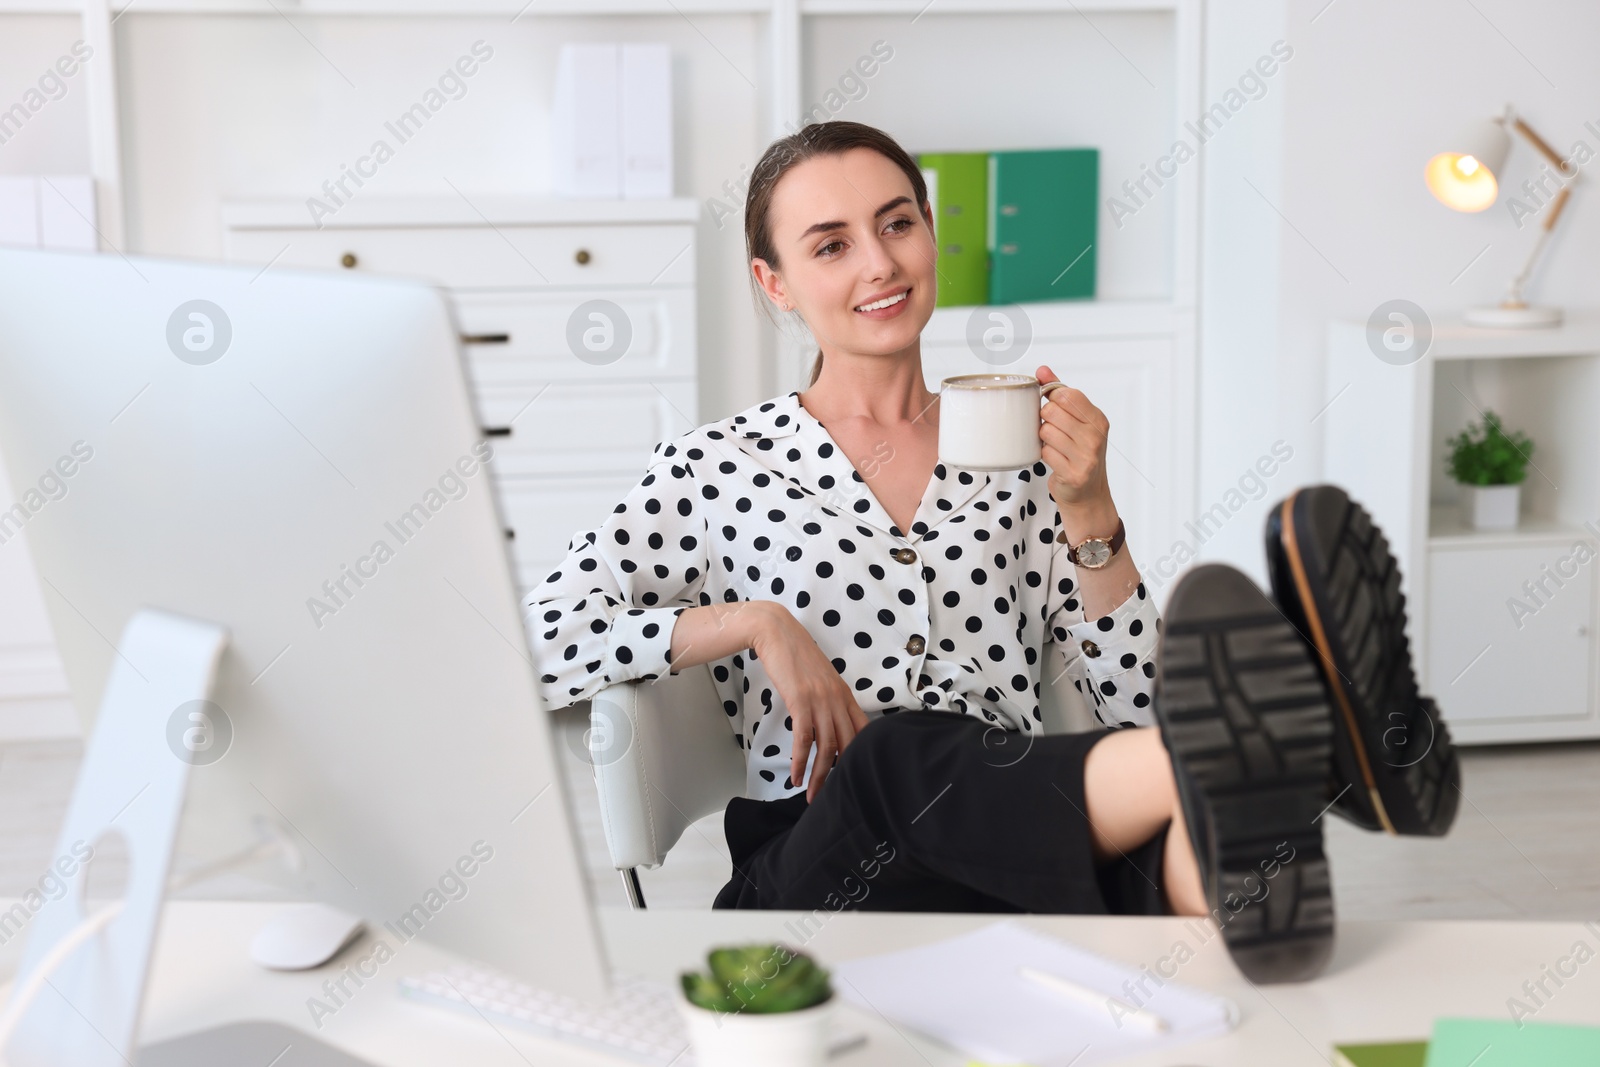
(630, 883)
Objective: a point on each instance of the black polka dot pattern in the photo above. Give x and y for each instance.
(971, 611)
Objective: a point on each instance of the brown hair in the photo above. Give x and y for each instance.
(817, 139)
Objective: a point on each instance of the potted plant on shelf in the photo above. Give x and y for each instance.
(1490, 466)
(759, 1004)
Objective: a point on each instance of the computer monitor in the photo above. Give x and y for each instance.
(293, 457)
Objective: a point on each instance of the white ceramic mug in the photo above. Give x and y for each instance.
(990, 422)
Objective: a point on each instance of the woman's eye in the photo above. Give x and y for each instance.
(897, 221)
(823, 251)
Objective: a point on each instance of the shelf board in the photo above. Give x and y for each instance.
(1447, 529)
(507, 8)
(1578, 335)
(524, 9)
(501, 209)
(982, 7)
(1068, 319)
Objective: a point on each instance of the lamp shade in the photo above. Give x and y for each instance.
(1463, 177)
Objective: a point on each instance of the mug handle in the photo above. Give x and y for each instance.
(1044, 389)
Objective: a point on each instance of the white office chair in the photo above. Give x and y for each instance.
(664, 756)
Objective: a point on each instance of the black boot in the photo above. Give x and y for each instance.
(1395, 768)
(1247, 722)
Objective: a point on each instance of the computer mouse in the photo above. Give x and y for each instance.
(303, 937)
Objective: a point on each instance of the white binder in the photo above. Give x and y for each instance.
(646, 121)
(56, 211)
(585, 153)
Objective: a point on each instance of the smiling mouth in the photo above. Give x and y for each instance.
(888, 301)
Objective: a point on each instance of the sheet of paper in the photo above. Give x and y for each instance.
(966, 992)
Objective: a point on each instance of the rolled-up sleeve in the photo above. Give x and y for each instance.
(606, 613)
(1111, 659)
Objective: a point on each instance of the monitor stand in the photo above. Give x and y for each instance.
(131, 783)
(253, 1042)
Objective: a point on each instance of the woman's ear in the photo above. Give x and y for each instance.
(770, 283)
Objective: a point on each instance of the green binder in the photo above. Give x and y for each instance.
(1042, 224)
(960, 194)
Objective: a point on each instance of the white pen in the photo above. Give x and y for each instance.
(1094, 999)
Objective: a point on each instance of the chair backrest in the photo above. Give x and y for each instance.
(664, 756)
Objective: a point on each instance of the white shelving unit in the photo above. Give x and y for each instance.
(1120, 75)
(1502, 622)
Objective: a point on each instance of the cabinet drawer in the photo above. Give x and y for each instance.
(564, 427)
(1486, 663)
(484, 256)
(532, 338)
(544, 514)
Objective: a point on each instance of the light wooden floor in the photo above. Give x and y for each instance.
(1526, 844)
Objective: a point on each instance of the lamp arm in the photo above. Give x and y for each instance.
(1542, 147)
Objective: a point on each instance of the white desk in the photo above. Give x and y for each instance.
(1388, 980)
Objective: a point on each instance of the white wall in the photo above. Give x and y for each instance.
(1374, 89)
(33, 701)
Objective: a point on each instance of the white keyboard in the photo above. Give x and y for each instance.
(640, 1023)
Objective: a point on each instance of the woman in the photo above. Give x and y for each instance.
(834, 573)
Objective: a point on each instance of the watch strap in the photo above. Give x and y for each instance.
(1116, 541)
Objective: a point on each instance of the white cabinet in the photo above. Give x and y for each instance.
(577, 323)
(1502, 624)
(1495, 655)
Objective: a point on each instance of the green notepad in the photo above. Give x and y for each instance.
(1503, 1043)
(960, 225)
(1042, 224)
(1393, 1054)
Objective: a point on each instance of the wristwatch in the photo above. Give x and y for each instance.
(1094, 552)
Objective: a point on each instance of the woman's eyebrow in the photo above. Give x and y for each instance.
(839, 224)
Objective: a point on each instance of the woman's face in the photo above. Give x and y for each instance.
(848, 233)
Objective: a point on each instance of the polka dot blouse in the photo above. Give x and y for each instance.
(954, 614)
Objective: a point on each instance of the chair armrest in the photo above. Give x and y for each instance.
(663, 757)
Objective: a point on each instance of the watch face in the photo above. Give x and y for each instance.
(1094, 553)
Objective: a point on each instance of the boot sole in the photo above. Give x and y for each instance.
(1246, 719)
(1334, 575)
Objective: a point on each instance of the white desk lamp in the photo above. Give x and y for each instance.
(1464, 179)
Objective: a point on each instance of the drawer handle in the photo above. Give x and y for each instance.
(348, 261)
(486, 338)
(582, 257)
(497, 431)
(510, 533)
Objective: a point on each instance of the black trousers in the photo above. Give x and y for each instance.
(939, 811)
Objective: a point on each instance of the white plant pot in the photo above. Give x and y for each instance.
(742, 1039)
(1491, 507)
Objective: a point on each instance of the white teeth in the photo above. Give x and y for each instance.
(887, 302)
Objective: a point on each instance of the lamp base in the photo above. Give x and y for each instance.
(1515, 317)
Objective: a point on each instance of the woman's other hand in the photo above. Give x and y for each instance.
(822, 709)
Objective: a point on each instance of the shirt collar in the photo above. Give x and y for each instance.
(833, 478)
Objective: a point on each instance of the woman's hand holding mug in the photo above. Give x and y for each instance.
(1072, 442)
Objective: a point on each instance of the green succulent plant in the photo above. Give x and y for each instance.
(757, 978)
(1484, 454)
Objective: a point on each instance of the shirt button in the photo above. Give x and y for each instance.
(1090, 649)
(905, 555)
(915, 645)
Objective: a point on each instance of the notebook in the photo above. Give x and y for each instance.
(1503, 1043)
(965, 991)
